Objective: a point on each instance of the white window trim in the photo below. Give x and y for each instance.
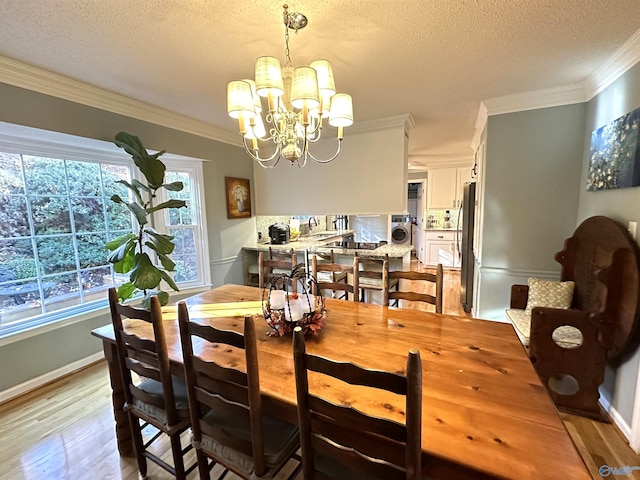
(32, 141)
(196, 172)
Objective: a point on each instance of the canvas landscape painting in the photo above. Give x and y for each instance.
(615, 156)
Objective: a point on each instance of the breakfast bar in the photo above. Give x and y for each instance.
(343, 246)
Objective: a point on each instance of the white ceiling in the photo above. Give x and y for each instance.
(434, 59)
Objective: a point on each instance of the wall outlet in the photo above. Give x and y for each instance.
(632, 229)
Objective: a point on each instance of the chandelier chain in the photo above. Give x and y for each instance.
(286, 42)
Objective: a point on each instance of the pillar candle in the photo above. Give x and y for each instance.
(277, 299)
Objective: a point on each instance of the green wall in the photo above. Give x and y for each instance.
(622, 205)
(531, 182)
(535, 196)
(38, 355)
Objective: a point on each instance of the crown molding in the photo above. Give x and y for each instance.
(481, 122)
(405, 120)
(617, 65)
(39, 80)
(620, 62)
(425, 162)
(544, 98)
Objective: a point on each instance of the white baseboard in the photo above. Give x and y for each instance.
(34, 383)
(616, 418)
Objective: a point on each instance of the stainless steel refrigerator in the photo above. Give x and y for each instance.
(467, 214)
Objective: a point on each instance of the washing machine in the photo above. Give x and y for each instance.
(401, 229)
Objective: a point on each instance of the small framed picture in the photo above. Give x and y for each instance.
(238, 197)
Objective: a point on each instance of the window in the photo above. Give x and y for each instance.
(56, 216)
(186, 224)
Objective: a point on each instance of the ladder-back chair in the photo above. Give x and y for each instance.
(318, 269)
(420, 283)
(226, 413)
(152, 395)
(339, 442)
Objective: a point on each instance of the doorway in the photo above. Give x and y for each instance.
(416, 207)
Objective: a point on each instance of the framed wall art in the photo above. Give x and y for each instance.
(238, 197)
(614, 156)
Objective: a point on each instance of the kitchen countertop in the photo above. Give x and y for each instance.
(441, 229)
(309, 243)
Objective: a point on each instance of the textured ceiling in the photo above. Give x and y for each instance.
(435, 59)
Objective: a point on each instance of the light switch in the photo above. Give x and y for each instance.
(632, 229)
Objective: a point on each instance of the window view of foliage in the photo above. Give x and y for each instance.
(56, 219)
(54, 222)
(183, 230)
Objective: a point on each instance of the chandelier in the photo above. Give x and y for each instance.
(297, 98)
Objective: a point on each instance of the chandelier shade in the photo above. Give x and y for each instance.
(297, 99)
(304, 89)
(269, 77)
(240, 102)
(341, 111)
(326, 84)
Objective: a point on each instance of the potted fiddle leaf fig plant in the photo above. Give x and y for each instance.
(130, 253)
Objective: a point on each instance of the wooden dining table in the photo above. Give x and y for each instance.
(485, 413)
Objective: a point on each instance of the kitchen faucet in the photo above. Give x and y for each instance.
(315, 222)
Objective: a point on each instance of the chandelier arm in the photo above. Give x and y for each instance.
(264, 162)
(319, 160)
(275, 124)
(315, 135)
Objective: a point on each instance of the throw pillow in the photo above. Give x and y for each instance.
(549, 293)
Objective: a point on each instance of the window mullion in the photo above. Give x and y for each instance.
(32, 233)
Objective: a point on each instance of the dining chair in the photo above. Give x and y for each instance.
(152, 396)
(328, 277)
(227, 421)
(339, 441)
(373, 276)
(420, 283)
(319, 269)
(278, 263)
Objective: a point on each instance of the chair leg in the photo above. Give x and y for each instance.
(178, 460)
(203, 464)
(138, 445)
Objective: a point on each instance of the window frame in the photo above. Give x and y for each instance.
(194, 169)
(31, 141)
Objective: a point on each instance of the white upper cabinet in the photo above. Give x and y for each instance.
(445, 186)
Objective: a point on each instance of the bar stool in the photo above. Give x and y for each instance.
(373, 276)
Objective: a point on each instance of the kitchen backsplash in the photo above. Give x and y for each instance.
(439, 216)
(263, 223)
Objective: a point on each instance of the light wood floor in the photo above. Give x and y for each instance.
(65, 430)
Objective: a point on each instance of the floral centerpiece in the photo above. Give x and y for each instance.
(284, 310)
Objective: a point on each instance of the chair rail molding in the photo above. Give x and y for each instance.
(515, 272)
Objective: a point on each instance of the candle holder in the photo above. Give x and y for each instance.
(284, 310)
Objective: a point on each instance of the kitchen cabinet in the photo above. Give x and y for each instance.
(445, 187)
(441, 247)
(463, 175)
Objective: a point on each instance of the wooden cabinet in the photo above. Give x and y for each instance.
(445, 186)
(441, 247)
